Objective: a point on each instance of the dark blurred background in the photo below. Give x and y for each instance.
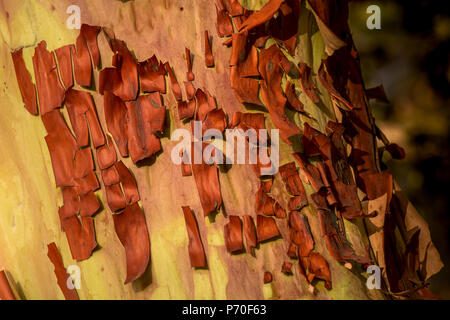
(409, 55)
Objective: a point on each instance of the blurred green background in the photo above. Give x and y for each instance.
(409, 55)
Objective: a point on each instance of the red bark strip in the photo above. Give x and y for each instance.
(266, 228)
(152, 75)
(301, 233)
(196, 250)
(318, 268)
(261, 16)
(209, 59)
(190, 90)
(224, 25)
(87, 183)
(176, 90)
(207, 181)
(186, 110)
(189, 75)
(89, 204)
(64, 57)
(306, 82)
(142, 142)
(268, 277)
(62, 147)
(115, 197)
(326, 80)
(106, 155)
(292, 98)
(6, 292)
(233, 235)
(286, 268)
(128, 182)
(131, 229)
(110, 176)
(215, 119)
(62, 276)
(116, 121)
(49, 88)
(81, 236)
(82, 62)
(270, 61)
(122, 80)
(90, 34)
(26, 85)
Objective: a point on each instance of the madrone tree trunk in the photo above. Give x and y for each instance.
(304, 64)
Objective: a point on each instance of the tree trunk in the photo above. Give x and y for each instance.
(383, 230)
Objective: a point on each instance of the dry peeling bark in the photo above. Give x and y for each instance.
(239, 235)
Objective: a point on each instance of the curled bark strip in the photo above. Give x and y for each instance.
(82, 65)
(190, 90)
(264, 203)
(233, 234)
(292, 251)
(209, 59)
(115, 197)
(292, 98)
(286, 268)
(215, 119)
(203, 105)
(337, 245)
(81, 236)
(266, 228)
(246, 89)
(292, 181)
(318, 267)
(152, 75)
(6, 292)
(310, 171)
(81, 108)
(49, 88)
(284, 27)
(280, 213)
(347, 197)
(122, 80)
(62, 147)
(189, 74)
(26, 85)
(142, 142)
(110, 176)
(176, 90)
(207, 181)
(301, 233)
(224, 25)
(186, 169)
(87, 183)
(128, 182)
(90, 34)
(64, 57)
(261, 16)
(250, 234)
(61, 274)
(89, 204)
(116, 121)
(106, 155)
(306, 82)
(326, 80)
(396, 151)
(131, 229)
(323, 12)
(186, 110)
(270, 61)
(377, 93)
(71, 201)
(196, 250)
(268, 277)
